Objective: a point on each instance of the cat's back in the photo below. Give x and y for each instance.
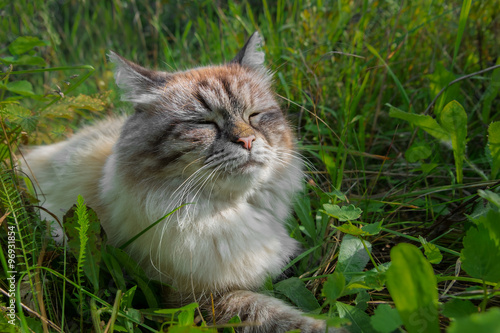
(64, 170)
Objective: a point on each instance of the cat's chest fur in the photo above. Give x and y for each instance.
(215, 242)
(213, 141)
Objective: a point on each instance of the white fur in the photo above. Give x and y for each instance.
(219, 243)
(232, 235)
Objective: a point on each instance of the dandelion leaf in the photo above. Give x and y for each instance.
(413, 287)
(454, 120)
(427, 123)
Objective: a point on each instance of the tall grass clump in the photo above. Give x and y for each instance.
(396, 110)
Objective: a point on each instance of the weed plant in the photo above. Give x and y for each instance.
(396, 106)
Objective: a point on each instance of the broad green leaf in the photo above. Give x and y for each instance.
(20, 87)
(431, 251)
(413, 287)
(457, 308)
(186, 317)
(91, 264)
(427, 123)
(344, 213)
(352, 255)
(351, 229)
(23, 44)
(481, 253)
(372, 279)
(136, 315)
(296, 291)
(385, 319)
(376, 277)
(333, 287)
(360, 321)
(454, 120)
(494, 146)
(372, 228)
(487, 322)
(337, 194)
(418, 151)
(362, 300)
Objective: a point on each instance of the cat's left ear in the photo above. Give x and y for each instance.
(251, 55)
(138, 85)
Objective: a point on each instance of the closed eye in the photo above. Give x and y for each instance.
(254, 118)
(206, 123)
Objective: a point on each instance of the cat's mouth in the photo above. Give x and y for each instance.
(251, 164)
(247, 166)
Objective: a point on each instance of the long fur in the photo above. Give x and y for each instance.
(184, 146)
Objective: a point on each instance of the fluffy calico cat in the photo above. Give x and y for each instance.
(211, 136)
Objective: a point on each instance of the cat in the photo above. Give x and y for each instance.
(213, 138)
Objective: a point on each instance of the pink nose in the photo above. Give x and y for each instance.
(247, 141)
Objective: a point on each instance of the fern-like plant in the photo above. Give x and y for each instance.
(83, 222)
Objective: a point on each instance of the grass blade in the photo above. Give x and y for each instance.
(464, 14)
(127, 243)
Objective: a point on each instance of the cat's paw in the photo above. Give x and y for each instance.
(265, 314)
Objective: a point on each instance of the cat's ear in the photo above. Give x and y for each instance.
(251, 55)
(138, 85)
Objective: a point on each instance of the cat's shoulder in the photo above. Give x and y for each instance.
(110, 126)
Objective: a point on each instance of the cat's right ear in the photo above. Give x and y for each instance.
(251, 55)
(138, 85)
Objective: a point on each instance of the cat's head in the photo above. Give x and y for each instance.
(220, 123)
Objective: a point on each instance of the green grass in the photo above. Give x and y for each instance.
(343, 70)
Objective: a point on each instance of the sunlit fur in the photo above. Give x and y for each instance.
(181, 147)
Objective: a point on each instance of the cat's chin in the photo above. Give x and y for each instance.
(246, 177)
(248, 168)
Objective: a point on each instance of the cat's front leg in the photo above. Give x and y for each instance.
(266, 314)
